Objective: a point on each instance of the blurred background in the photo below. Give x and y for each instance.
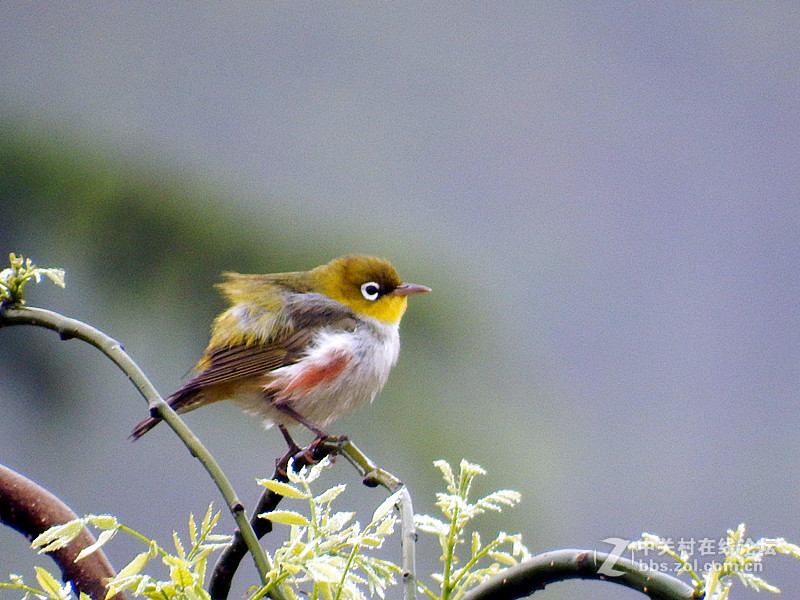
(604, 199)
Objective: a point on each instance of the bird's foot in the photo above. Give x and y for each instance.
(322, 446)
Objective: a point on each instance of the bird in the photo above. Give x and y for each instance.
(304, 347)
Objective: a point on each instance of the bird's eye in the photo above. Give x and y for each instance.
(370, 290)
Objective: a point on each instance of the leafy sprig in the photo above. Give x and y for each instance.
(328, 549)
(186, 568)
(740, 557)
(22, 270)
(452, 533)
(49, 588)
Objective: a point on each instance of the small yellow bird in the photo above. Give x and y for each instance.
(303, 347)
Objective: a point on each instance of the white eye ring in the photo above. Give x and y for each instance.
(370, 290)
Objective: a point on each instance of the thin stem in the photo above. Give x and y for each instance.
(22, 588)
(687, 566)
(142, 538)
(427, 591)
(346, 570)
(447, 586)
(72, 328)
(312, 509)
(462, 572)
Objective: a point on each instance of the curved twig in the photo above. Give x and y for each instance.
(31, 510)
(69, 328)
(526, 578)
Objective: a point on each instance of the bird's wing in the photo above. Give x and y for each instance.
(303, 316)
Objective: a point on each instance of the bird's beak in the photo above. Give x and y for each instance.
(406, 289)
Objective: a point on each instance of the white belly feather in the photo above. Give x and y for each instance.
(372, 351)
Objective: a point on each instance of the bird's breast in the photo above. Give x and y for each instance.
(338, 372)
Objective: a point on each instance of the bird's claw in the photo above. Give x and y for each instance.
(319, 448)
(322, 446)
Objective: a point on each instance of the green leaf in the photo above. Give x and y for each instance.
(181, 576)
(321, 570)
(54, 275)
(338, 520)
(447, 473)
(135, 566)
(496, 500)
(330, 495)
(757, 583)
(103, 521)
(325, 589)
(476, 543)
(386, 527)
(203, 553)
(47, 582)
(192, 530)
(310, 475)
(283, 489)
(468, 469)
(58, 536)
(287, 517)
(210, 519)
(14, 279)
(103, 538)
(371, 542)
(386, 506)
(503, 558)
(177, 541)
(430, 524)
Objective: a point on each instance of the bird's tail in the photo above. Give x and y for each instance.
(143, 428)
(189, 397)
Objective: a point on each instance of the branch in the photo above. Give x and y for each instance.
(71, 328)
(526, 578)
(31, 510)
